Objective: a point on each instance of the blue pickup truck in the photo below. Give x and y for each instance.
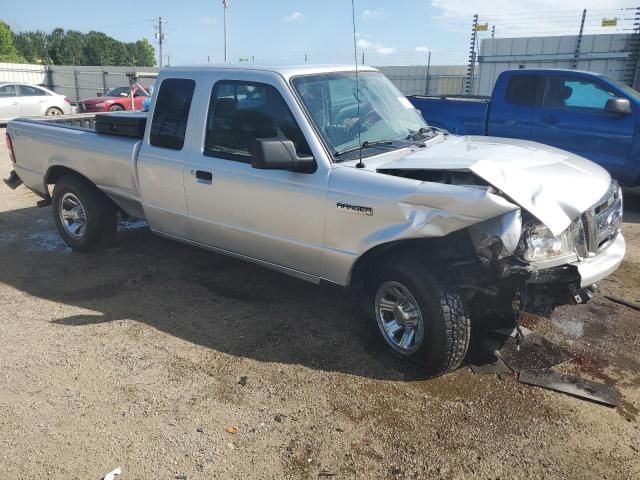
(585, 113)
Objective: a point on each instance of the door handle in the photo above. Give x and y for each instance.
(203, 176)
(551, 120)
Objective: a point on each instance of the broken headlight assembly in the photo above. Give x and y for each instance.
(540, 244)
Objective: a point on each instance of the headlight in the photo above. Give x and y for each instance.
(99, 105)
(541, 244)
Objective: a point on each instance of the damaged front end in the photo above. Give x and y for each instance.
(546, 270)
(521, 264)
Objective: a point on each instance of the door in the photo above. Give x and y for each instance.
(162, 158)
(573, 117)
(33, 101)
(275, 216)
(9, 104)
(512, 115)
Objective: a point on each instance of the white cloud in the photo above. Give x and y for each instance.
(375, 13)
(422, 49)
(365, 42)
(385, 50)
(294, 17)
(208, 20)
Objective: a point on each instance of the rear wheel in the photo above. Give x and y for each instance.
(85, 217)
(116, 108)
(52, 111)
(420, 315)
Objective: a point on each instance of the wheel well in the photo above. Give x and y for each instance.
(455, 246)
(55, 173)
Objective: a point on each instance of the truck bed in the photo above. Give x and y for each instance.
(462, 115)
(47, 145)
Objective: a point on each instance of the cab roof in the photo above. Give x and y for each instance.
(286, 71)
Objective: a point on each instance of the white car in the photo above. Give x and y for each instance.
(22, 100)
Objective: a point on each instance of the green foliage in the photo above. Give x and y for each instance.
(8, 51)
(71, 47)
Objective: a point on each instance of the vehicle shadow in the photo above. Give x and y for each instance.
(631, 199)
(208, 299)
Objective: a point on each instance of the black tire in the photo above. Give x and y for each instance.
(446, 322)
(99, 213)
(116, 108)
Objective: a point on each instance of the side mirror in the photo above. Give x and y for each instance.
(620, 106)
(279, 154)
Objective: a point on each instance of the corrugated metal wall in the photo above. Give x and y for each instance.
(412, 80)
(607, 54)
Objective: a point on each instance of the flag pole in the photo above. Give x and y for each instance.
(225, 30)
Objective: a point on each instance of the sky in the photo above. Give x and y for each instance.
(396, 32)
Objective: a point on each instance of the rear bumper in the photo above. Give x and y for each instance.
(603, 265)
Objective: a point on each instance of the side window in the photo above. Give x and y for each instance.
(8, 91)
(240, 112)
(522, 90)
(140, 93)
(170, 116)
(574, 93)
(29, 91)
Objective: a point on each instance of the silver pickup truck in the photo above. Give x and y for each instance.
(331, 175)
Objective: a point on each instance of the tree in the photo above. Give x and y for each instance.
(99, 49)
(8, 51)
(33, 46)
(142, 53)
(73, 47)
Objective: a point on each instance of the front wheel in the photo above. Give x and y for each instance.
(420, 315)
(116, 108)
(86, 218)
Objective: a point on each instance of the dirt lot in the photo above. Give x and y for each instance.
(141, 357)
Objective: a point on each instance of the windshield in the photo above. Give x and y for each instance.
(385, 114)
(118, 92)
(634, 94)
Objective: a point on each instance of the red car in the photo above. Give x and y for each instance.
(115, 100)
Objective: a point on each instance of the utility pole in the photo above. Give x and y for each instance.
(161, 36)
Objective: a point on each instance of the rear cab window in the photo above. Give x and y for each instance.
(171, 113)
(523, 90)
(242, 111)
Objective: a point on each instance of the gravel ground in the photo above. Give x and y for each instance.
(144, 356)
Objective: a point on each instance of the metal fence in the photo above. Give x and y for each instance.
(602, 40)
(85, 81)
(74, 82)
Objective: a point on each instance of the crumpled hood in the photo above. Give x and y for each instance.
(553, 185)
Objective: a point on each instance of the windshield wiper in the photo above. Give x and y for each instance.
(363, 146)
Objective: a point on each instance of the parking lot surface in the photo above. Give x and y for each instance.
(173, 362)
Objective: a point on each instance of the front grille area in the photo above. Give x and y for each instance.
(598, 227)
